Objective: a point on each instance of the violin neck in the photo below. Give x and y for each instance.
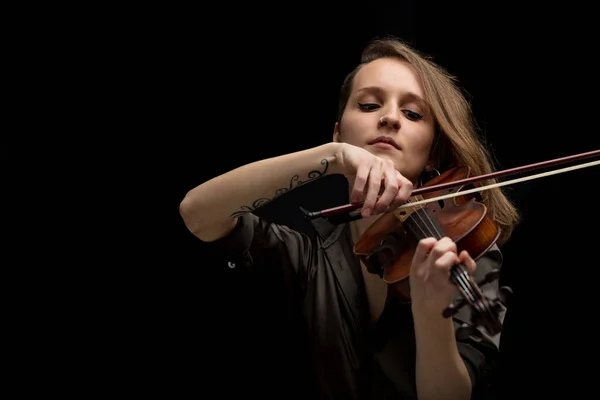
(421, 226)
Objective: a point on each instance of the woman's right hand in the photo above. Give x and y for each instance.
(373, 179)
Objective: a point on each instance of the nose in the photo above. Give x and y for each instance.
(391, 121)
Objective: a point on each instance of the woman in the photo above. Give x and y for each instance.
(400, 116)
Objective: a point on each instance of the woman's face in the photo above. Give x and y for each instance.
(387, 101)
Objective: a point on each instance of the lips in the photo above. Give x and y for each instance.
(385, 139)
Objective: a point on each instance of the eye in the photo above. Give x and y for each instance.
(368, 106)
(413, 116)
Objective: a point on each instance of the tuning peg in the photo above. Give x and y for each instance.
(489, 277)
(453, 308)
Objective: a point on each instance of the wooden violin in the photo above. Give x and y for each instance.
(444, 206)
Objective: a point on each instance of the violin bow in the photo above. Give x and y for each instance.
(341, 214)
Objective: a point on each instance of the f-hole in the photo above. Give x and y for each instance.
(441, 202)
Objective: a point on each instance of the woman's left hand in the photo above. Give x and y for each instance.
(430, 285)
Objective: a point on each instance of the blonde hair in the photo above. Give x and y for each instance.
(457, 138)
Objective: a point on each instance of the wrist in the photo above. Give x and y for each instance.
(334, 152)
(430, 317)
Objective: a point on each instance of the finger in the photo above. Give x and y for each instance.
(360, 182)
(465, 258)
(391, 186)
(373, 185)
(405, 188)
(424, 248)
(443, 246)
(446, 261)
(404, 191)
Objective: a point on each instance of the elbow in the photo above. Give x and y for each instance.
(188, 211)
(197, 219)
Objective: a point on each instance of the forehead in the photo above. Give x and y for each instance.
(389, 74)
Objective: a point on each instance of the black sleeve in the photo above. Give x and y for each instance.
(258, 244)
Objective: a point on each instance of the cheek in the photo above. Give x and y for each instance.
(421, 140)
(425, 144)
(352, 130)
(419, 148)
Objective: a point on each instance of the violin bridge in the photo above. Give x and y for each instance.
(403, 213)
(406, 210)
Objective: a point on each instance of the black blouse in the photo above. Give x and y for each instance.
(352, 358)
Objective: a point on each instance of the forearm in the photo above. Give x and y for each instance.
(220, 200)
(441, 373)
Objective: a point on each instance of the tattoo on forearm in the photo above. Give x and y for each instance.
(294, 183)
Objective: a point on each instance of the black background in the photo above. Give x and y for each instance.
(222, 85)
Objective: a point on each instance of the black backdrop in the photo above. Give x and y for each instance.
(241, 83)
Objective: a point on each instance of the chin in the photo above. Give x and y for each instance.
(391, 154)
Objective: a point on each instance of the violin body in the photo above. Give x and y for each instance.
(388, 245)
(463, 219)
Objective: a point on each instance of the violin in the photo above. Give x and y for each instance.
(447, 205)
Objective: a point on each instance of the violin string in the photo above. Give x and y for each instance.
(461, 280)
(462, 276)
(431, 230)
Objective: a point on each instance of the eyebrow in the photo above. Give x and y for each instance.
(407, 95)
